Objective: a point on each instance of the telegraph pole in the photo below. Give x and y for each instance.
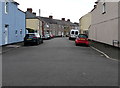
(40, 23)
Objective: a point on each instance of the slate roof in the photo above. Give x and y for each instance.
(30, 15)
(56, 21)
(48, 20)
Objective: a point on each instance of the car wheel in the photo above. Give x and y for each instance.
(76, 44)
(25, 44)
(69, 38)
(88, 45)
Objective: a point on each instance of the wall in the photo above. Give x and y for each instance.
(85, 22)
(104, 27)
(16, 21)
(34, 24)
(0, 44)
(0, 23)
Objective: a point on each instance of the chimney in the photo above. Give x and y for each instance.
(34, 13)
(95, 6)
(51, 17)
(29, 10)
(68, 20)
(63, 19)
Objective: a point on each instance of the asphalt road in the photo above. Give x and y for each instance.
(58, 62)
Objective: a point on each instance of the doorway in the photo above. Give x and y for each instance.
(6, 34)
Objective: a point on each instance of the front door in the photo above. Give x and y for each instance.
(6, 34)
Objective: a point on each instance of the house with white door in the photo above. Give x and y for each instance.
(12, 22)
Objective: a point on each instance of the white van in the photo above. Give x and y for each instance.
(73, 34)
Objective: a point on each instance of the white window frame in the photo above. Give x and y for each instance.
(6, 7)
(21, 31)
(104, 8)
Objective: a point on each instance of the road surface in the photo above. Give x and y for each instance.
(58, 62)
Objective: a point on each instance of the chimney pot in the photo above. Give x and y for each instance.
(34, 13)
(63, 19)
(29, 10)
(51, 17)
(68, 20)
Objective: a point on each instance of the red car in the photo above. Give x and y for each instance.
(82, 39)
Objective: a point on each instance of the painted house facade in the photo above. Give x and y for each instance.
(12, 22)
(33, 22)
(104, 26)
(85, 22)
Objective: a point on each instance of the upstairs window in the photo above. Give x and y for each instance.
(6, 7)
(104, 8)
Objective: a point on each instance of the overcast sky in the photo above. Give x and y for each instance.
(69, 9)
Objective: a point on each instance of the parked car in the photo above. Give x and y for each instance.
(82, 39)
(46, 36)
(51, 36)
(73, 34)
(32, 38)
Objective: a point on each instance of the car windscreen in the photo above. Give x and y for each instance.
(82, 36)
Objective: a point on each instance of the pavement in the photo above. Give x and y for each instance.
(9, 47)
(58, 62)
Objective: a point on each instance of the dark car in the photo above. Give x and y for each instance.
(32, 38)
(82, 39)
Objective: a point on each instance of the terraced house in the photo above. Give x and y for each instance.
(104, 30)
(12, 22)
(104, 26)
(33, 23)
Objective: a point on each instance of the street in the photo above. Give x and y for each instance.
(58, 62)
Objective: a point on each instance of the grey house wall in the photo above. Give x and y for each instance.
(104, 27)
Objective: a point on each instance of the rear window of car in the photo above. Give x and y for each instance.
(82, 36)
(30, 35)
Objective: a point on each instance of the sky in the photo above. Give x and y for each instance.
(68, 9)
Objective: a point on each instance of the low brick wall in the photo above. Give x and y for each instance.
(111, 51)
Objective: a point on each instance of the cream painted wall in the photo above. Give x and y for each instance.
(33, 24)
(85, 22)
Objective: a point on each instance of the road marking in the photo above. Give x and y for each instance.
(103, 53)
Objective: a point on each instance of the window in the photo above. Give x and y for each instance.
(6, 7)
(16, 32)
(104, 8)
(82, 36)
(20, 31)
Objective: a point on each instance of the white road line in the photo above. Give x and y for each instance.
(103, 53)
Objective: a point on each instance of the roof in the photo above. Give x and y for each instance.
(47, 20)
(30, 15)
(13, 2)
(56, 21)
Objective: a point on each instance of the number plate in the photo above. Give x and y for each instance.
(82, 39)
(29, 39)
